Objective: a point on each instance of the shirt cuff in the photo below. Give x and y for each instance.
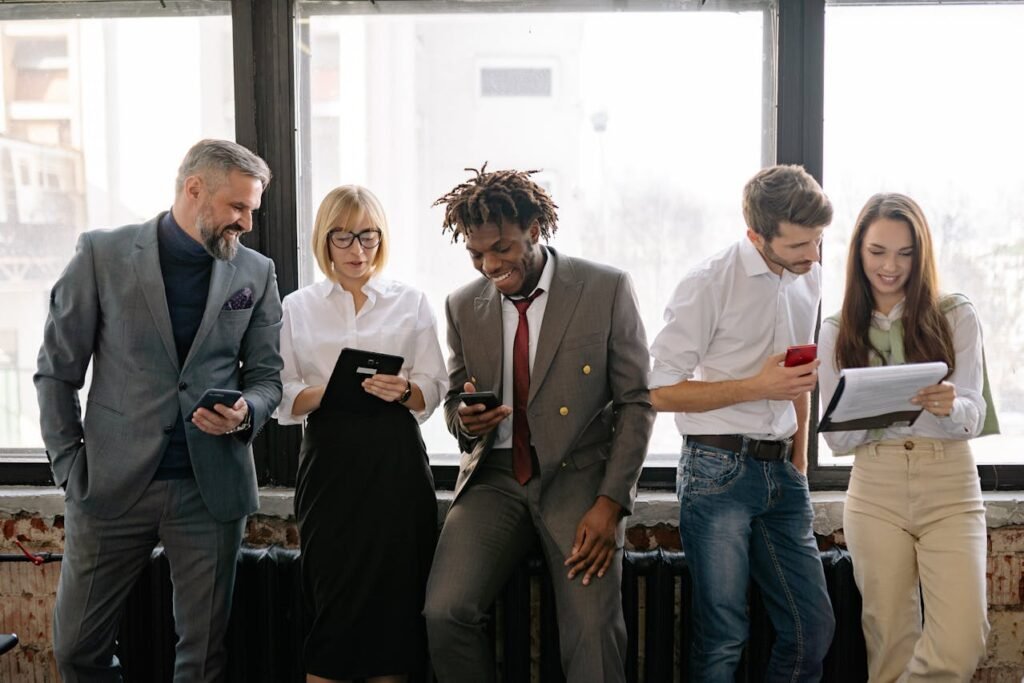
(956, 422)
(283, 414)
(662, 378)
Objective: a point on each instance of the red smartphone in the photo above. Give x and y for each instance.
(800, 355)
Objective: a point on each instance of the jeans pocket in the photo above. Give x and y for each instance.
(705, 470)
(797, 474)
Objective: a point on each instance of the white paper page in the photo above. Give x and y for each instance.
(886, 389)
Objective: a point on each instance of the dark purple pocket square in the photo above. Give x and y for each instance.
(239, 301)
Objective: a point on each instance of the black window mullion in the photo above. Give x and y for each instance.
(264, 55)
(800, 140)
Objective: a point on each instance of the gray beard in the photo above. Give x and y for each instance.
(216, 244)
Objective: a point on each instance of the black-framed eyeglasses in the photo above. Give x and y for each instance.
(342, 239)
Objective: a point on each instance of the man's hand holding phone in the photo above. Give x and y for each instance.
(476, 413)
(781, 381)
(219, 411)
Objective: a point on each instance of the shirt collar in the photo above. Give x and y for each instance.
(753, 262)
(374, 286)
(895, 314)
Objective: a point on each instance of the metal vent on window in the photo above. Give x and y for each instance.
(515, 82)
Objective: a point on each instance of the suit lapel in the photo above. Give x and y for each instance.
(487, 313)
(220, 284)
(146, 261)
(562, 299)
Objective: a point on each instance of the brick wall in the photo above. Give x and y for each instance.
(1005, 660)
(26, 597)
(27, 591)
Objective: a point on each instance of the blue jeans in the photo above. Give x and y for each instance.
(741, 518)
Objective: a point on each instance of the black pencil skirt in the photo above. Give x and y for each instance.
(367, 517)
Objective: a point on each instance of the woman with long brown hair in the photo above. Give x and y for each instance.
(914, 519)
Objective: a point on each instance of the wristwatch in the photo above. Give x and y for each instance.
(407, 394)
(245, 424)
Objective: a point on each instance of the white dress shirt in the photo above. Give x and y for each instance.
(320, 320)
(509, 325)
(725, 318)
(968, 415)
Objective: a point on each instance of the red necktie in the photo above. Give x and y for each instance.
(522, 463)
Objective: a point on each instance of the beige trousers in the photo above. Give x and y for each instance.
(915, 526)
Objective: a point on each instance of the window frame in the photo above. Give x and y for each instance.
(265, 34)
(993, 477)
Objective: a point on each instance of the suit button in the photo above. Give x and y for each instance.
(908, 444)
(563, 411)
(182, 386)
(168, 429)
(586, 369)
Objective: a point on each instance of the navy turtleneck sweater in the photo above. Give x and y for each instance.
(186, 268)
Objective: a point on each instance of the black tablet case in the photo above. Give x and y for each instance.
(345, 387)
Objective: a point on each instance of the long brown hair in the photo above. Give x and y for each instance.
(926, 333)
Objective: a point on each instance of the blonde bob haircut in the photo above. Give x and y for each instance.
(345, 208)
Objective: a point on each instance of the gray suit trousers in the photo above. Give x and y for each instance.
(487, 533)
(104, 557)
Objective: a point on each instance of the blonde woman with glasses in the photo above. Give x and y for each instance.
(362, 582)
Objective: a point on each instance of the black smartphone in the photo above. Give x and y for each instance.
(488, 398)
(212, 397)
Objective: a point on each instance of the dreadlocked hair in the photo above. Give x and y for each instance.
(498, 197)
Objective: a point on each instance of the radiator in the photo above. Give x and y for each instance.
(267, 622)
(264, 639)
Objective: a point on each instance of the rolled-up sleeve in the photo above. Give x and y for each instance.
(968, 415)
(841, 443)
(690, 320)
(291, 377)
(428, 369)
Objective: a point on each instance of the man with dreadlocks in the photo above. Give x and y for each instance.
(560, 341)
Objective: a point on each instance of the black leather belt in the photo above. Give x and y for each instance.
(758, 449)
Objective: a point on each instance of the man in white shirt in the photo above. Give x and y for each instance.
(745, 510)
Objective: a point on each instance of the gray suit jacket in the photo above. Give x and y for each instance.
(589, 408)
(109, 307)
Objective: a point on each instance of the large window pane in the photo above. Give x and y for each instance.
(921, 100)
(646, 126)
(95, 116)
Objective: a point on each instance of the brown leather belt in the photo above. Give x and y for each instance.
(758, 449)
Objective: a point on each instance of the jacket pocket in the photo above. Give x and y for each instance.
(588, 455)
(238, 317)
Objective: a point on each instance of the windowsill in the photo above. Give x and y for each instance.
(1002, 508)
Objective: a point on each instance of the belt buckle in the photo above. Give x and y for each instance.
(754, 449)
(781, 449)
